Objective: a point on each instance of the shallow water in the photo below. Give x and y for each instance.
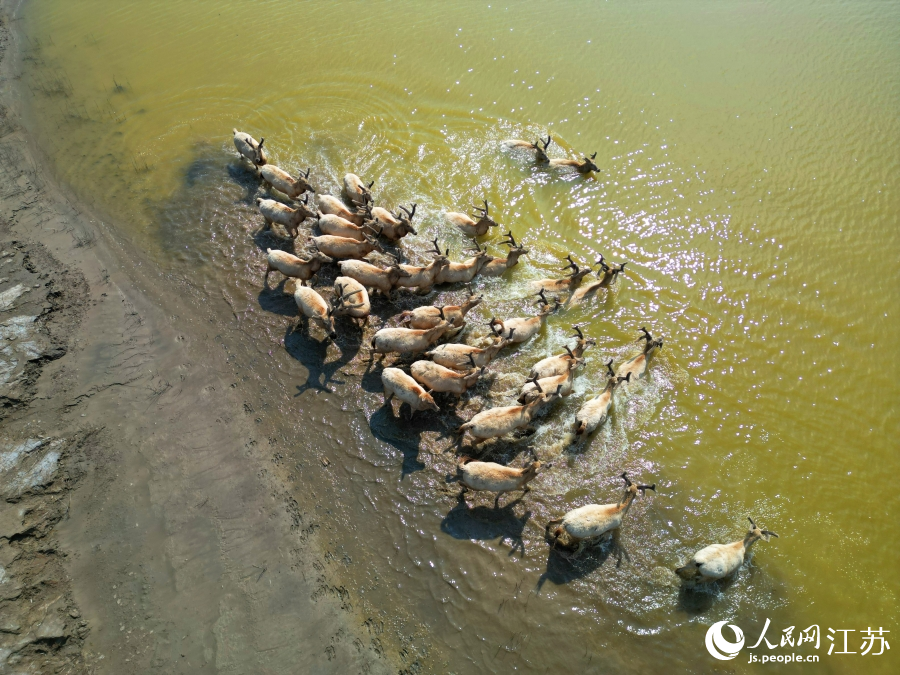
(748, 174)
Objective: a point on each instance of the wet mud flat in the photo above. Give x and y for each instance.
(143, 524)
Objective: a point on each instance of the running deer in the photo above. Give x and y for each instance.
(637, 367)
(492, 477)
(395, 226)
(588, 523)
(559, 364)
(564, 383)
(356, 191)
(343, 248)
(525, 329)
(350, 290)
(333, 205)
(314, 307)
(459, 357)
(565, 284)
(397, 383)
(339, 227)
(372, 276)
(472, 228)
(539, 146)
(282, 181)
(595, 411)
(249, 148)
(428, 317)
(424, 278)
(583, 167)
(498, 422)
(292, 266)
(497, 266)
(607, 275)
(721, 560)
(276, 212)
(407, 340)
(438, 378)
(465, 271)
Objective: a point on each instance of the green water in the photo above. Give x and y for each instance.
(749, 162)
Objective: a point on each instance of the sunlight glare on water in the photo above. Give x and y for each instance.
(748, 164)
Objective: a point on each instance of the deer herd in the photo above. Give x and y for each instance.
(351, 228)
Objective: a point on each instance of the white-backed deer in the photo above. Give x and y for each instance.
(492, 477)
(539, 146)
(564, 383)
(356, 191)
(464, 272)
(473, 228)
(595, 411)
(583, 166)
(525, 329)
(372, 276)
(397, 383)
(460, 357)
(281, 180)
(249, 148)
(637, 367)
(497, 266)
(336, 226)
(424, 278)
(586, 523)
(314, 307)
(293, 266)
(427, 317)
(564, 284)
(353, 299)
(438, 378)
(559, 364)
(407, 340)
(498, 422)
(395, 226)
(343, 248)
(721, 560)
(276, 212)
(331, 204)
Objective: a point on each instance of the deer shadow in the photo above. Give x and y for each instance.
(405, 435)
(239, 172)
(312, 353)
(564, 566)
(700, 599)
(485, 523)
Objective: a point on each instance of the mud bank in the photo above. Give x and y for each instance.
(143, 525)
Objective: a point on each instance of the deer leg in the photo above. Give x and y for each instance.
(497, 499)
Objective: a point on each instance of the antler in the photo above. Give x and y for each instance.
(624, 476)
(543, 297)
(571, 264)
(578, 332)
(534, 381)
(610, 368)
(472, 360)
(646, 336)
(437, 248)
(512, 240)
(644, 488)
(409, 214)
(594, 155)
(547, 142)
(571, 355)
(484, 211)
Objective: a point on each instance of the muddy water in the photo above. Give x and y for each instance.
(748, 174)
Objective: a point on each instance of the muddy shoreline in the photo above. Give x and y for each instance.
(145, 521)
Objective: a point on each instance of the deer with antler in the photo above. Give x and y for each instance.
(465, 271)
(721, 560)
(347, 289)
(498, 422)
(395, 226)
(595, 411)
(249, 148)
(637, 367)
(588, 523)
(559, 364)
(425, 277)
(525, 329)
(606, 276)
(539, 146)
(459, 357)
(498, 266)
(566, 283)
(356, 191)
(281, 180)
(276, 212)
(470, 227)
(331, 204)
(426, 317)
(584, 166)
(372, 276)
(441, 379)
(564, 383)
